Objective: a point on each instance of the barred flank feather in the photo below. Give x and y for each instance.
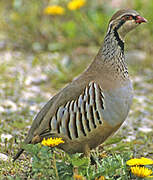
(77, 118)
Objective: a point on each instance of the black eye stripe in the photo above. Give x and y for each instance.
(124, 19)
(120, 24)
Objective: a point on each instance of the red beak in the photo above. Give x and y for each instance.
(140, 20)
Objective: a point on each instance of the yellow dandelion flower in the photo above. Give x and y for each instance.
(54, 10)
(52, 142)
(78, 177)
(76, 4)
(141, 171)
(100, 178)
(139, 161)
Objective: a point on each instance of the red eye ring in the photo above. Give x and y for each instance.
(127, 17)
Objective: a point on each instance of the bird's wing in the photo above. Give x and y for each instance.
(41, 121)
(74, 117)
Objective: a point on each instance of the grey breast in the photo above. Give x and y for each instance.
(117, 104)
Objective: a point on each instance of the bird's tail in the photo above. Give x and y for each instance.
(18, 154)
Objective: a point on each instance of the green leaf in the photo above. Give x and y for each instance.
(79, 162)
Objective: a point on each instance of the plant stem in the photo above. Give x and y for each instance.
(54, 164)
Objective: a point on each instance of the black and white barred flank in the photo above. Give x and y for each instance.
(79, 117)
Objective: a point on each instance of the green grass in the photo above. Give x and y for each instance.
(130, 141)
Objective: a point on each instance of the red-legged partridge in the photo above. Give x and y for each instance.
(94, 105)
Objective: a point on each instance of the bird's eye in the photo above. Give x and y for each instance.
(128, 17)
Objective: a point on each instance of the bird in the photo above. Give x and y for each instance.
(94, 105)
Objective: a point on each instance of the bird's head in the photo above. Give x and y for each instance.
(124, 21)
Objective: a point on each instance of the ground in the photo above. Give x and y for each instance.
(28, 81)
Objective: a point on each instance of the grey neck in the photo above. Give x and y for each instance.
(112, 55)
